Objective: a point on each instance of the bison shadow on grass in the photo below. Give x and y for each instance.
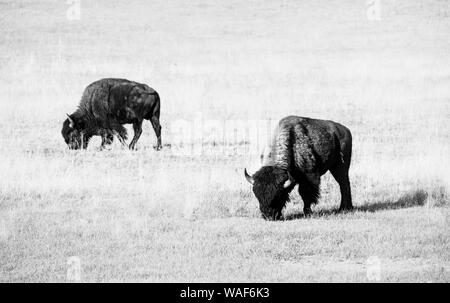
(410, 199)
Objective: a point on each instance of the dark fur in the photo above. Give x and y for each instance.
(268, 187)
(105, 106)
(302, 150)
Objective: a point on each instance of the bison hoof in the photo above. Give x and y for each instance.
(307, 212)
(157, 147)
(345, 208)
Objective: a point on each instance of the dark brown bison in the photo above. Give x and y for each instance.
(105, 106)
(301, 151)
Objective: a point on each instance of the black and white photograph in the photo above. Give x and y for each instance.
(213, 141)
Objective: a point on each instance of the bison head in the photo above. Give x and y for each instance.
(271, 186)
(73, 133)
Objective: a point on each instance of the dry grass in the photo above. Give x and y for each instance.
(159, 216)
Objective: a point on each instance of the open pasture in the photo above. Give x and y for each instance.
(187, 214)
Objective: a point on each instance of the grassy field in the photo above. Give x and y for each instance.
(191, 217)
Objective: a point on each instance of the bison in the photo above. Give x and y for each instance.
(301, 151)
(105, 106)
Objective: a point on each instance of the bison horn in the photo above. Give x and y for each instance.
(289, 181)
(248, 177)
(72, 123)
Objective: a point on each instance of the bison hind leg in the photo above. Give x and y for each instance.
(157, 128)
(340, 174)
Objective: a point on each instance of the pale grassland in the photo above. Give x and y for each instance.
(157, 216)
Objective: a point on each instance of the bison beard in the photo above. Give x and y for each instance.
(302, 150)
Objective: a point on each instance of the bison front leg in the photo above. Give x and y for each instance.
(85, 141)
(309, 190)
(122, 139)
(137, 127)
(107, 139)
(121, 134)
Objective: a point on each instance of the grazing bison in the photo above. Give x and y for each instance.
(302, 150)
(105, 106)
